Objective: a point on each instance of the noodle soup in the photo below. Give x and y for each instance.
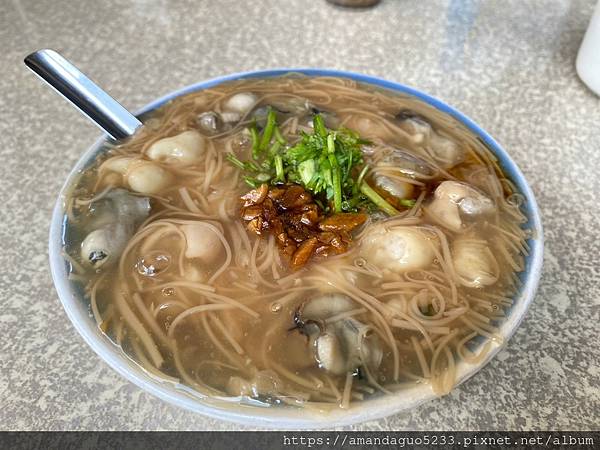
(300, 241)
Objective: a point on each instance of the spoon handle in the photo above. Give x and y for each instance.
(83, 93)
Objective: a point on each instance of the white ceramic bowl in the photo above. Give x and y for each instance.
(78, 309)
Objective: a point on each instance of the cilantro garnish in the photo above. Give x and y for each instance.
(328, 163)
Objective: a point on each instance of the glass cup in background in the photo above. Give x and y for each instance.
(588, 59)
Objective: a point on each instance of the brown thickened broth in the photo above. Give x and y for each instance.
(299, 241)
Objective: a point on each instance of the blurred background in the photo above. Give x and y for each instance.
(509, 65)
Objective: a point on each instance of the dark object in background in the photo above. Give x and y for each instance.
(354, 3)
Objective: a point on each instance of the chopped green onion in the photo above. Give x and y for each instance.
(279, 174)
(362, 174)
(409, 203)
(330, 144)
(255, 141)
(319, 126)
(251, 165)
(377, 199)
(349, 165)
(335, 169)
(274, 150)
(326, 171)
(268, 131)
(279, 137)
(236, 162)
(252, 182)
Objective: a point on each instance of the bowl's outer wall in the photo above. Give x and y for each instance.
(289, 418)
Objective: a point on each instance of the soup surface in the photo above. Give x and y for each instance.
(301, 241)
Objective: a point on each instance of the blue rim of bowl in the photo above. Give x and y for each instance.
(294, 418)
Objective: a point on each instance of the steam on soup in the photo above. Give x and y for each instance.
(307, 241)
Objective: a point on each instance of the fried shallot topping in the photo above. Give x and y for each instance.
(300, 227)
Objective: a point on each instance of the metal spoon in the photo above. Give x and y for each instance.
(83, 93)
